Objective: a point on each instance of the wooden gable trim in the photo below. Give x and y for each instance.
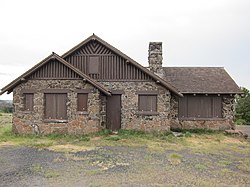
(129, 60)
(85, 77)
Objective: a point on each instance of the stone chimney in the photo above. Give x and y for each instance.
(155, 58)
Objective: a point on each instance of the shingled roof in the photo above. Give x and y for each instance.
(204, 80)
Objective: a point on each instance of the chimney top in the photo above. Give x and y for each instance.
(155, 58)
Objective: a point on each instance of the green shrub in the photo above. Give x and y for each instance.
(241, 122)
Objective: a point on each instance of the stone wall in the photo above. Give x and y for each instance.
(130, 118)
(155, 58)
(227, 122)
(95, 118)
(25, 122)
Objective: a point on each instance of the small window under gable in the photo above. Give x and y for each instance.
(93, 65)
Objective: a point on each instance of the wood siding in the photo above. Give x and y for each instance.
(111, 66)
(200, 106)
(54, 70)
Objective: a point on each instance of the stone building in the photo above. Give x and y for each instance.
(95, 86)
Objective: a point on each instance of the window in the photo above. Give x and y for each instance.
(55, 106)
(147, 103)
(200, 106)
(28, 101)
(82, 102)
(93, 65)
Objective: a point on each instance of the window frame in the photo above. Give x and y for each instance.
(153, 95)
(214, 112)
(28, 101)
(85, 102)
(56, 103)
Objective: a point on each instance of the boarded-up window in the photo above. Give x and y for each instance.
(93, 65)
(28, 101)
(55, 106)
(82, 102)
(147, 103)
(200, 106)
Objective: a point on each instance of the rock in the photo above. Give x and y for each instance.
(237, 133)
(178, 134)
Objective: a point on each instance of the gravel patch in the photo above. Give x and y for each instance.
(119, 166)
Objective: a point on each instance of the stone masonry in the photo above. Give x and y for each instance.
(155, 58)
(227, 122)
(130, 118)
(26, 122)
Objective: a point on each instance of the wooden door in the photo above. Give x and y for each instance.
(114, 112)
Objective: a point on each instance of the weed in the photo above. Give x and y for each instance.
(104, 132)
(200, 166)
(224, 162)
(51, 174)
(175, 158)
(37, 168)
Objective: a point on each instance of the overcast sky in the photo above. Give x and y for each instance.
(193, 32)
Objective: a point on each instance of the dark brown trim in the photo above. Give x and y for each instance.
(55, 91)
(149, 92)
(84, 91)
(202, 119)
(56, 78)
(117, 92)
(147, 113)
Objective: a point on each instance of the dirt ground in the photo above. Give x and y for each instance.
(123, 166)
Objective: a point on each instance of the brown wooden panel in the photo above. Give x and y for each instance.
(50, 106)
(183, 107)
(28, 101)
(147, 103)
(200, 106)
(93, 65)
(61, 108)
(114, 112)
(217, 107)
(55, 106)
(82, 102)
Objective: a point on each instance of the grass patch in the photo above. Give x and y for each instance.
(200, 166)
(175, 158)
(112, 138)
(37, 168)
(51, 174)
(224, 162)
